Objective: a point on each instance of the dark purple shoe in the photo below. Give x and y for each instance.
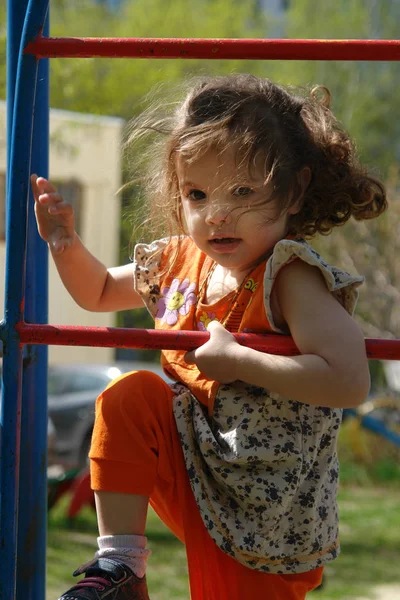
(107, 579)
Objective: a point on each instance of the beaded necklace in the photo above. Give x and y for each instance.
(240, 298)
(232, 298)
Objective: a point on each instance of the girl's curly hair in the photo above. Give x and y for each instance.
(290, 129)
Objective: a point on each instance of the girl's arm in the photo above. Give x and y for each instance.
(90, 283)
(332, 369)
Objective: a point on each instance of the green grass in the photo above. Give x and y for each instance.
(369, 502)
(370, 538)
(367, 459)
(370, 541)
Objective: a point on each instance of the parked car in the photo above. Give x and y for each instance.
(72, 393)
(51, 432)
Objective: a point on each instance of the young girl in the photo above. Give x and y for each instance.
(238, 457)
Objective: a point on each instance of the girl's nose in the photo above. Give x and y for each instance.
(217, 214)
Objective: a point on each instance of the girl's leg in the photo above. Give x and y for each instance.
(213, 574)
(118, 514)
(135, 452)
(131, 449)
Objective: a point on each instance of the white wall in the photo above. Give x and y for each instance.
(85, 149)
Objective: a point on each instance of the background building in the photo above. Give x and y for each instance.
(85, 164)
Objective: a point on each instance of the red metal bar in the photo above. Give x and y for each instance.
(246, 49)
(155, 339)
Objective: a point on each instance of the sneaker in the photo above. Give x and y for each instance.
(108, 579)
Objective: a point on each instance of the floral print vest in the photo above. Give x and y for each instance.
(263, 468)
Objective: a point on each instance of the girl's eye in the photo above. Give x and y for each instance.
(242, 191)
(196, 195)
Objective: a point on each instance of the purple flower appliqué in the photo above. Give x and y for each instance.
(176, 300)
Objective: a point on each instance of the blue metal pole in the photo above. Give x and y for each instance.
(17, 203)
(32, 505)
(376, 425)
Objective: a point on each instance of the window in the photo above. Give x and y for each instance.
(62, 382)
(72, 193)
(56, 382)
(86, 382)
(71, 190)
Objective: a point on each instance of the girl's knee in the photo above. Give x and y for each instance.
(134, 379)
(134, 392)
(133, 414)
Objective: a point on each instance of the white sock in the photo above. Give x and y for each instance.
(130, 549)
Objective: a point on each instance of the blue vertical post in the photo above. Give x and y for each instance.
(21, 99)
(32, 505)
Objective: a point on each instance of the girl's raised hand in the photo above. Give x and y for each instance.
(54, 216)
(217, 358)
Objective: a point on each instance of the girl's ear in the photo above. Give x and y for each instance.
(303, 179)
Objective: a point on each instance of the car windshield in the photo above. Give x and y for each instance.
(79, 380)
(67, 380)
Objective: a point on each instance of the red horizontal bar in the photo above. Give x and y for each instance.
(217, 48)
(156, 339)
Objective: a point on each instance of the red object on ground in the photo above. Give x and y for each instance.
(82, 494)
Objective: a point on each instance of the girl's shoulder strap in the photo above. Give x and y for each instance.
(153, 263)
(154, 256)
(340, 283)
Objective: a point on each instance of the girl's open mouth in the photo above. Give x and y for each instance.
(227, 244)
(224, 240)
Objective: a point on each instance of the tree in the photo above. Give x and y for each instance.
(118, 86)
(364, 101)
(121, 86)
(362, 92)
(371, 248)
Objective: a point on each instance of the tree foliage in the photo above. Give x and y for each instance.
(362, 92)
(118, 86)
(371, 248)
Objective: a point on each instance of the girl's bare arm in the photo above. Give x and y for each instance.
(90, 283)
(332, 369)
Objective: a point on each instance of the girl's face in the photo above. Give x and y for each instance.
(227, 212)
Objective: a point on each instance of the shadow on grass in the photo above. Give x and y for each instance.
(76, 528)
(377, 562)
(85, 523)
